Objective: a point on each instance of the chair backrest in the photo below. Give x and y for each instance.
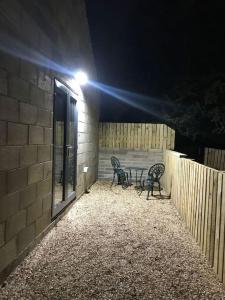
(115, 162)
(156, 171)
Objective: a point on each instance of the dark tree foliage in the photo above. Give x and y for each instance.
(198, 109)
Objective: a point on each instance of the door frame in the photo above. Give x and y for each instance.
(62, 87)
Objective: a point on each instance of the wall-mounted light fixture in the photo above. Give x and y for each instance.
(81, 77)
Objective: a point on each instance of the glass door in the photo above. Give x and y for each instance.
(70, 149)
(64, 147)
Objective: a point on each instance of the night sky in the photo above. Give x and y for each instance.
(167, 50)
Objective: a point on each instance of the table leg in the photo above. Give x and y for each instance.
(141, 179)
(130, 178)
(141, 174)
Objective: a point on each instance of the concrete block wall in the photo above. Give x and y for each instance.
(26, 114)
(25, 152)
(87, 152)
(128, 158)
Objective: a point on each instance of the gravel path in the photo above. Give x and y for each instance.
(114, 245)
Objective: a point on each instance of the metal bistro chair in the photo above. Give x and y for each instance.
(154, 175)
(122, 176)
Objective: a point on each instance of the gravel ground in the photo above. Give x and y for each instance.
(116, 245)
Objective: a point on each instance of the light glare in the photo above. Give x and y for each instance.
(81, 78)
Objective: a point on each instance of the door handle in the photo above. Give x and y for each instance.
(68, 147)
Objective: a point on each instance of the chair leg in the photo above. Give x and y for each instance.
(142, 187)
(113, 179)
(127, 179)
(159, 189)
(125, 182)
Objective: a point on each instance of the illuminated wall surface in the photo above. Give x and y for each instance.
(39, 40)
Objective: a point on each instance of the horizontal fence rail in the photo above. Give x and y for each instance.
(198, 192)
(214, 158)
(136, 136)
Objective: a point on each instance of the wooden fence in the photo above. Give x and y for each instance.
(136, 136)
(214, 158)
(199, 195)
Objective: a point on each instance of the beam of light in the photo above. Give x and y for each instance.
(132, 99)
(132, 95)
(16, 48)
(108, 90)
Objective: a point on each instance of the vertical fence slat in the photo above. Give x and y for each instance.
(139, 136)
(206, 156)
(204, 184)
(165, 138)
(150, 136)
(195, 189)
(197, 196)
(218, 220)
(191, 194)
(186, 176)
(213, 217)
(110, 135)
(223, 160)
(146, 136)
(122, 135)
(172, 139)
(161, 137)
(199, 205)
(209, 215)
(221, 241)
(131, 136)
(169, 137)
(187, 163)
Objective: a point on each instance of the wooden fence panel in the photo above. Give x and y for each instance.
(214, 158)
(136, 136)
(198, 192)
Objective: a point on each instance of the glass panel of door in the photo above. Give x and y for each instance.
(64, 148)
(70, 149)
